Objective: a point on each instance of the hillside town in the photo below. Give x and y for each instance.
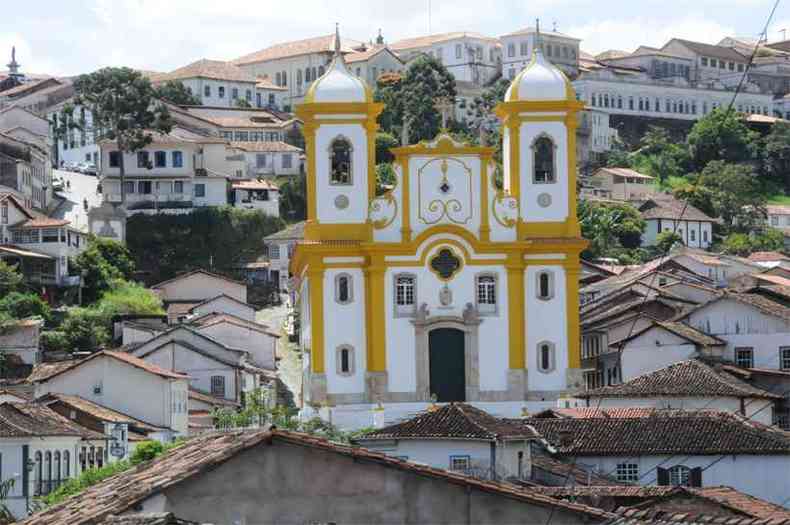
(450, 278)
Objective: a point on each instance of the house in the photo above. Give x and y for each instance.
(236, 124)
(372, 61)
(256, 195)
(214, 82)
(248, 477)
(212, 366)
(768, 259)
(517, 47)
(16, 117)
(268, 94)
(675, 447)
(243, 334)
(21, 339)
(461, 438)
(199, 285)
(175, 173)
(25, 171)
(42, 449)
(107, 378)
(280, 247)
(622, 184)
(270, 158)
(666, 214)
(224, 304)
(708, 61)
(691, 385)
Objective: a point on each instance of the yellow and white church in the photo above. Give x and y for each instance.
(445, 288)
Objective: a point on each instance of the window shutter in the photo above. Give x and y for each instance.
(663, 476)
(696, 477)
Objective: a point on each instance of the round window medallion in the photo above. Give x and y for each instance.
(544, 200)
(341, 202)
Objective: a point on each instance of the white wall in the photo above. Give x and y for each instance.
(357, 192)
(344, 324)
(642, 355)
(545, 322)
(198, 85)
(226, 306)
(261, 346)
(531, 211)
(200, 286)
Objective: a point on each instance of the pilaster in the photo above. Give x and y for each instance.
(517, 320)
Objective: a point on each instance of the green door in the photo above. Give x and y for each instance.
(446, 363)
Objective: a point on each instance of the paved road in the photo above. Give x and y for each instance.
(290, 365)
(76, 189)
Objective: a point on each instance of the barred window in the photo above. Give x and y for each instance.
(486, 293)
(744, 357)
(627, 472)
(784, 358)
(405, 294)
(218, 386)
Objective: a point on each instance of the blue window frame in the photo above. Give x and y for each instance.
(178, 159)
(160, 159)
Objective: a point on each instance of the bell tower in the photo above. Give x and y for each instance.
(339, 118)
(539, 148)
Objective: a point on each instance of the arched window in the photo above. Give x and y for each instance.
(486, 294)
(545, 355)
(100, 457)
(680, 476)
(39, 474)
(58, 470)
(321, 71)
(66, 464)
(344, 288)
(340, 158)
(543, 154)
(405, 295)
(545, 285)
(47, 472)
(299, 76)
(345, 360)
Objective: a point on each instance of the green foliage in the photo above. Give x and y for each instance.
(146, 451)
(54, 341)
(776, 155)
(730, 191)
(175, 92)
(481, 118)
(125, 107)
(659, 156)
(744, 244)
(10, 279)
(610, 228)
(293, 198)
(212, 238)
(104, 262)
(384, 142)
(243, 103)
(736, 244)
(411, 98)
(666, 240)
(23, 305)
(85, 329)
(721, 136)
(6, 486)
(385, 178)
(129, 298)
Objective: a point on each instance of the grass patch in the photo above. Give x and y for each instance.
(779, 199)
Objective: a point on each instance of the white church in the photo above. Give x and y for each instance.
(445, 288)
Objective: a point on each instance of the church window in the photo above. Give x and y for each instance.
(545, 285)
(405, 294)
(486, 294)
(546, 358)
(343, 289)
(340, 155)
(543, 154)
(345, 360)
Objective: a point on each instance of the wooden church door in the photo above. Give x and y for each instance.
(446, 362)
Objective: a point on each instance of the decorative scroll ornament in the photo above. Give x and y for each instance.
(451, 208)
(383, 210)
(505, 209)
(445, 264)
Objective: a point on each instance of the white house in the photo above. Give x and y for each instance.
(674, 447)
(621, 184)
(280, 248)
(260, 195)
(124, 383)
(42, 449)
(198, 286)
(461, 438)
(370, 62)
(562, 50)
(690, 385)
(21, 339)
(80, 142)
(468, 56)
(666, 214)
(25, 171)
(399, 294)
(223, 304)
(176, 173)
(256, 339)
(214, 82)
(272, 158)
(237, 124)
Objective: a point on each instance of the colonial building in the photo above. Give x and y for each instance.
(444, 287)
(560, 49)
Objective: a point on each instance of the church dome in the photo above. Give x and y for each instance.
(338, 84)
(539, 81)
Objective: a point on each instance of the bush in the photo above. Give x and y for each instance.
(104, 262)
(129, 298)
(23, 305)
(145, 451)
(54, 341)
(85, 329)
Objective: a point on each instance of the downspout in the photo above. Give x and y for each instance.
(493, 460)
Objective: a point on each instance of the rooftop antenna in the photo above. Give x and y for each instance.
(784, 34)
(337, 39)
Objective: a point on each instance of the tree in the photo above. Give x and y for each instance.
(85, 329)
(730, 191)
(388, 92)
(384, 142)
(129, 298)
(10, 279)
(125, 107)
(103, 263)
(744, 244)
(721, 135)
(293, 198)
(23, 305)
(666, 240)
(385, 177)
(175, 92)
(609, 227)
(659, 156)
(243, 103)
(776, 155)
(481, 115)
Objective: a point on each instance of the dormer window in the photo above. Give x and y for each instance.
(340, 158)
(544, 163)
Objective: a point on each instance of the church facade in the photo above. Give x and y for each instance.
(445, 288)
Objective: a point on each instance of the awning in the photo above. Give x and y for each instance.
(13, 250)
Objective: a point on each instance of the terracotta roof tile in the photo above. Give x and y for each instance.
(663, 432)
(220, 317)
(320, 44)
(691, 378)
(710, 50)
(669, 208)
(205, 68)
(253, 185)
(424, 41)
(123, 491)
(197, 395)
(685, 331)
(592, 413)
(193, 272)
(98, 411)
(41, 222)
(44, 373)
(159, 518)
(266, 83)
(266, 147)
(571, 471)
(628, 516)
(453, 421)
(32, 419)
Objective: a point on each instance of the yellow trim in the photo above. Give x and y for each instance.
(405, 199)
(517, 319)
(307, 112)
(543, 118)
(515, 108)
(370, 127)
(377, 327)
(514, 177)
(572, 272)
(571, 124)
(566, 228)
(315, 275)
(315, 231)
(310, 178)
(485, 227)
(443, 145)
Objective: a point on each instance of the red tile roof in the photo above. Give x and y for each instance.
(194, 272)
(629, 516)
(45, 373)
(41, 222)
(205, 68)
(199, 455)
(320, 44)
(33, 420)
(768, 257)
